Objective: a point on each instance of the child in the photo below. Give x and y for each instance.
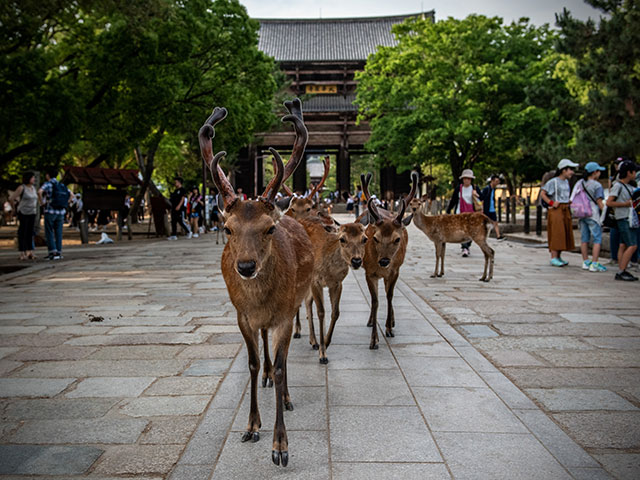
(463, 199)
(590, 226)
(487, 195)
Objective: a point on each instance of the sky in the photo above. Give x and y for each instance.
(538, 11)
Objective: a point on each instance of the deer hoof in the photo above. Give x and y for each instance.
(389, 333)
(253, 436)
(316, 346)
(267, 382)
(296, 335)
(433, 276)
(324, 360)
(277, 456)
(373, 347)
(288, 406)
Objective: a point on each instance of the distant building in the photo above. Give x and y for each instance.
(320, 58)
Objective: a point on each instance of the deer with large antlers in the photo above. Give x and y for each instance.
(463, 227)
(384, 255)
(267, 266)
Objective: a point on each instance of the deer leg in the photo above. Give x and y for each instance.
(251, 340)
(312, 331)
(319, 301)
(296, 331)
(488, 260)
(438, 253)
(390, 285)
(443, 249)
(373, 320)
(281, 338)
(267, 370)
(287, 398)
(335, 292)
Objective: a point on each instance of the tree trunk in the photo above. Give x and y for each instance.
(146, 168)
(510, 185)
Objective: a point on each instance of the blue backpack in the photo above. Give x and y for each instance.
(59, 196)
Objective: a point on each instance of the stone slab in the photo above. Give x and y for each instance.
(368, 387)
(137, 352)
(603, 429)
(208, 367)
(33, 387)
(573, 399)
(46, 460)
(625, 466)
(406, 471)
(514, 358)
(45, 409)
(163, 406)
(104, 368)
(138, 459)
(191, 472)
(439, 372)
(387, 434)
(170, 430)
(592, 318)
(111, 387)
(227, 350)
(102, 430)
(477, 331)
(184, 386)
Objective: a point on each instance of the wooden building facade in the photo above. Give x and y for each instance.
(320, 58)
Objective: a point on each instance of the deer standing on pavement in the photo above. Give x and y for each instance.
(267, 266)
(384, 255)
(463, 227)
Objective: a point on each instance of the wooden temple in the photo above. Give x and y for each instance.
(320, 58)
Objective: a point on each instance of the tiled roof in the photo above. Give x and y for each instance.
(330, 103)
(101, 176)
(331, 39)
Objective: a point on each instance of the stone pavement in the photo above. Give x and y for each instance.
(129, 364)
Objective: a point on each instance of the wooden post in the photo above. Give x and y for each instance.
(508, 207)
(527, 226)
(513, 209)
(539, 220)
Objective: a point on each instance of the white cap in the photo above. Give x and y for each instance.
(565, 162)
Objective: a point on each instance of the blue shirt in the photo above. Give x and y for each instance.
(492, 203)
(47, 189)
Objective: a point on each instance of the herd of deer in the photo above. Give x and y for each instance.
(281, 254)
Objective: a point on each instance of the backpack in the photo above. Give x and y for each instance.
(580, 205)
(59, 196)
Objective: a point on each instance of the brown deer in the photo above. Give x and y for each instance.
(267, 266)
(463, 227)
(384, 255)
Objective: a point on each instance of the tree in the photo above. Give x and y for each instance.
(603, 74)
(458, 91)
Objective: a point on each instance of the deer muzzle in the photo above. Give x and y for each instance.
(247, 270)
(384, 262)
(356, 263)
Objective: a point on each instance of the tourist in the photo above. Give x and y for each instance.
(620, 200)
(614, 237)
(26, 198)
(590, 228)
(462, 201)
(54, 196)
(556, 193)
(487, 195)
(178, 199)
(350, 203)
(196, 207)
(359, 200)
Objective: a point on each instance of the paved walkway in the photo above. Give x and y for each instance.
(129, 363)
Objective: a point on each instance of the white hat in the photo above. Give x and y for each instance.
(565, 162)
(467, 173)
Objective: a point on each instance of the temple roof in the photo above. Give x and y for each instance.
(330, 103)
(85, 176)
(330, 39)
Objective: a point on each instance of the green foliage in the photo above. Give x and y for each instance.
(603, 74)
(469, 93)
(103, 77)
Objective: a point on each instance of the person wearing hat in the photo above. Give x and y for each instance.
(590, 227)
(620, 199)
(462, 201)
(556, 193)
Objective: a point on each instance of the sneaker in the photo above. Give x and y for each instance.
(501, 237)
(201, 230)
(597, 267)
(556, 262)
(625, 276)
(586, 264)
(57, 256)
(564, 262)
(195, 235)
(172, 237)
(50, 255)
(189, 235)
(465, 252)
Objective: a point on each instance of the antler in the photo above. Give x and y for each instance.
(373, 210)
(414, 186)
(316, 189)
(221, 180)
(279, 174)
(207, 132)
(302, 135)
(398, 219)
(364, 182)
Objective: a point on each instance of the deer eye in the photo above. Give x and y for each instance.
(309, 209)
(364, 240)
(342, 240)
(271, 230)
(397, 240)
(227, 231)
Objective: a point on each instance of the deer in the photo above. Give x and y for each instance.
(385, 250)
(463, 227)
(267, 267)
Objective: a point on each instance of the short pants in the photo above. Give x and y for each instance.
(589, 228)
(628, 236)
(492, 216)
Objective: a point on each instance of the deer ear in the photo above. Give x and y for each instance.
(406, 221)
(284, 203)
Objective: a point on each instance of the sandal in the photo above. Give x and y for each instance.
(31, 256)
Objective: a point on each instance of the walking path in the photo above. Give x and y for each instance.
(157, 388)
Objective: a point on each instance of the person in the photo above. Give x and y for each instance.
(350, 203)
(196, 204)
(614, 236)
(241, 195)
(359, 200)
(462, 201)
(620, 199)
(75, 205)
(556, 193)
(590, 227)
(26, 198)
(178, 199)
(54, 196)
(487, 195)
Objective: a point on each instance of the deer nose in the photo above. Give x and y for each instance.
(384, 262)
(356, 263)
(247, 269)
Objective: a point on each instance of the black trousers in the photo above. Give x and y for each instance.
(25, 232)
(177, 217)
